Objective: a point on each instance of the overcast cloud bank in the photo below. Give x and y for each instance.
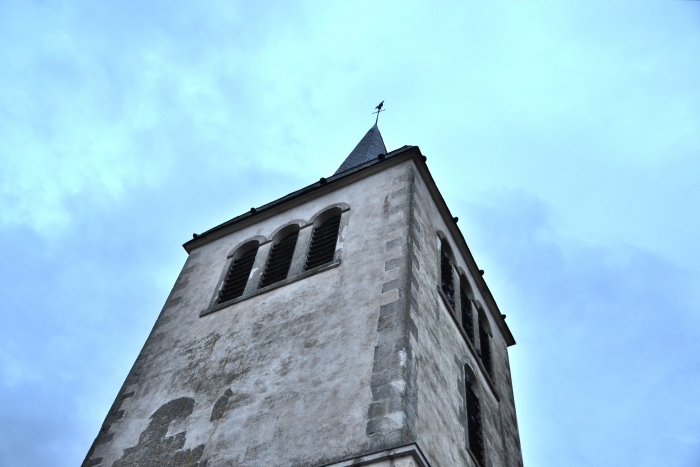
(564, 135)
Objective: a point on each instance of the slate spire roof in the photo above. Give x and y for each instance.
(369, 147)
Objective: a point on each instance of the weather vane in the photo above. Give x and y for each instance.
(379, 109)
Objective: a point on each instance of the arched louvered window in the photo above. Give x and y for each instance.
(280, 259)
(474, 426)
(446, 281)
(466, 305)
(323, 241)
(485, 345)
(237, 276)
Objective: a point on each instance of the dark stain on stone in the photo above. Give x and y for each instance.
(198, 370)
(220, 406)
(240, 399)
(238, 372)
(172, 303)
(187, 270)
(285, 366)
(308, 343)
(115, 412)
(180, 285)
(155, 449)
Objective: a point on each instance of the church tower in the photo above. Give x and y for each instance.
(343, 324)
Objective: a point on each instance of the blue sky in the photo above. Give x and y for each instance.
(565, 135)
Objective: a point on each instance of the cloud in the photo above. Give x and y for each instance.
(606, 336)
(127, 126)
(77, 307)
(100, 107)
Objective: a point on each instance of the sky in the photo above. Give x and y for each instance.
(565, 136)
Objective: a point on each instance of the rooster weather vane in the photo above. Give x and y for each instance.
(379, 109)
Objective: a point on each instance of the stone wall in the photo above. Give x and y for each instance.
(441, 351)
(359, 358)
(283, 378)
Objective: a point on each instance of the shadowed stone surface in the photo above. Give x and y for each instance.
(155, 449)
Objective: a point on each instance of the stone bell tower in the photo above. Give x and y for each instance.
(346, 323)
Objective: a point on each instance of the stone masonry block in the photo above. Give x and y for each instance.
(395, 389)
(113, 417)
(414, 282)
(398, 193)
(416, 227)
(418, 204)
(412, 328)
(397, 242)
(406, 462)
(397, 225)
(395, 404)
(382, 364)
(391, 285)
(391, 308)
(397, 208)
(384, 351)
(389, 321)
(389, 336)
(102, 439)
(395, 438)
(188, 270)
(376, 409)
(382, 425)
(415, 260)
(377, 441)
(416, 244)
(387, 376)
(180, 285)
(394, 263)
(172, 303)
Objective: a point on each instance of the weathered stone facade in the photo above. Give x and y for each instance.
(360, 362)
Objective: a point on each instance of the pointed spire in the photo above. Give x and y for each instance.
(369, 147)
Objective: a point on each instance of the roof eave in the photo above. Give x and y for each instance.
(322, 184)
(348, 176)
(469, 260)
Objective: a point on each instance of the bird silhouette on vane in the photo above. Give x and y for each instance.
(379, 109)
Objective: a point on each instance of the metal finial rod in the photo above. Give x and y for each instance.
(379, 109)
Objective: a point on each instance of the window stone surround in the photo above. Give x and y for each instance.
(270, 288)
(296, 270)
(470, 346)
(479, 312)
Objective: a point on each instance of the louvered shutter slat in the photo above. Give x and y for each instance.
(467, 316)
(237, 277)
(485, 348)
(474, 428)
(323, 241)
(280, 260)
(446, 277)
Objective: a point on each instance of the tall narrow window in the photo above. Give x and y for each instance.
(237, 276)
(446, 281)
(485, 347)
(280, 259)
(474, 428)
(323, 241)
(467, 316)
